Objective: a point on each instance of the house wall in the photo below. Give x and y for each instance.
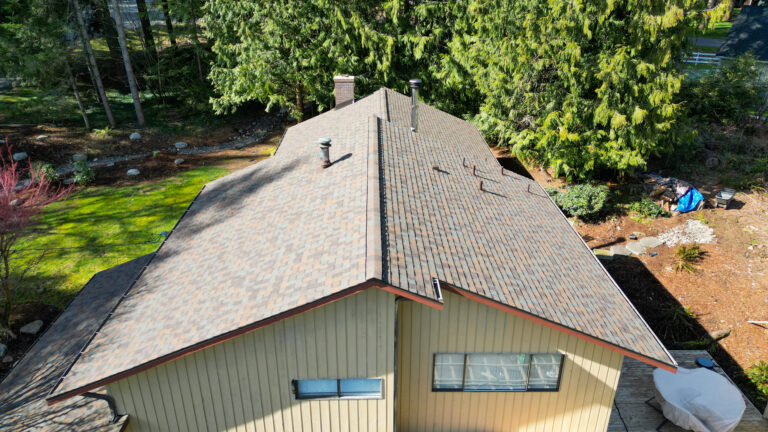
(590, 373)
(244, 384)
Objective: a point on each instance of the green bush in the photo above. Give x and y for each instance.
(728, 96)
(83, 173)
(758, 374)
(584, 201)
(648, 209)
(687, 256)
(46, 169)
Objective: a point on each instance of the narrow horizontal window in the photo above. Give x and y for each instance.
(334, 388)
(496, 372)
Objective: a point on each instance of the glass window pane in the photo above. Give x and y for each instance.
(545, 371)
(449, 371)
(361, 387)
(316, 388)
(490, 372)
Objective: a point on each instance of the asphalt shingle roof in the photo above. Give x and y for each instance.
(23, 391)
(284, 233)
(749, 33)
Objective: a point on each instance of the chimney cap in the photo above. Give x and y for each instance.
(324, 142)
(415, 83)
(344, 78)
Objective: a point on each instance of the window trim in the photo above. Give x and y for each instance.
(527, 380)
(295, 386)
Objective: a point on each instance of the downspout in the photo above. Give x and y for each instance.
(394, 393)
(110, 402)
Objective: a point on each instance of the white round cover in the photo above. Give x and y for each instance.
(699, 399)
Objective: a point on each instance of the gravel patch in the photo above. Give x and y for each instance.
(693, 231)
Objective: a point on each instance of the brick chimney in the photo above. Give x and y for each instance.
(344, 89)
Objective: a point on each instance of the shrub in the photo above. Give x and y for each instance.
(758, 374)
(727, 96)
(584, 201)
(83, 173)
(46, 169)
(687, 256)
(647, 208)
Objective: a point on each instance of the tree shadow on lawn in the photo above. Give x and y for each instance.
(672, 322)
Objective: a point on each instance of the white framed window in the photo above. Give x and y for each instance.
(496, 372)
(339, 388)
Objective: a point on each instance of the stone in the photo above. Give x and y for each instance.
(650, 242)
(3, 349)
(620, 250)
(134, 136)
(602, 254)
(180, 145)
(69, 181)
(720, 334)
(16, 202)
(636, 248)
(132, 172)
(22, 184)
(41, 137)
(712, 162)
(178, 161)
(19, 156)
(7, 359)
(32, 328)
(632, 237)
(79, 157)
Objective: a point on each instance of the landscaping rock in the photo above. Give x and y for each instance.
(720, 334)
(620, 250)
(603, 254)
(636, 248)
(178, 161)
(180, 145)
(650, 242)
(7, 359)
(22, 184)
(41, 137)
(32, 328)
(693, 231)
(19, 156)
(79, 157)
(134, 136)
(132, 172)
(69, 181)
(3, 349)
(16, 202)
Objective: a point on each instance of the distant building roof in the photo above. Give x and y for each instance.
(23, 391)
(395, 210)
(749, 33)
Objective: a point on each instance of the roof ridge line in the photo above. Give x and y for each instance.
(373, 235)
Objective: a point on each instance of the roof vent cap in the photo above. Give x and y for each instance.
(325, 150)
(415, 84)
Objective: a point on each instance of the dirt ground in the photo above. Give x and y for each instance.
(729, 288)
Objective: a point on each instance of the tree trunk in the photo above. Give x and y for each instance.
(127, 63)
(196, 40)
(73, 81)
(108, 27)
(300, 103)
(168, 21)
(146, 27)
(92, 62)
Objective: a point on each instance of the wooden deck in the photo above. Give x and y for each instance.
(632, 414)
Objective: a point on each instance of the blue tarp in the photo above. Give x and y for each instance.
(689, 201)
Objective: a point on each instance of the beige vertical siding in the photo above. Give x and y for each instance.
(583, 403)
(244, 384)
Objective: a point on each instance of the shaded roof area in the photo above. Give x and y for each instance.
(285, 233)
(749, 33)
(23, 392)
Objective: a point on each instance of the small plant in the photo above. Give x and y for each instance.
(83, 173)
(43, 169)
(584, 201)
(155, 153)
(758, 374)
(103, 132)
(700, 217)
(687, 256)
(648, 209)
(677, 320)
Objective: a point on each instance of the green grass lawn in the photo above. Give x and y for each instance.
(97, 223)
